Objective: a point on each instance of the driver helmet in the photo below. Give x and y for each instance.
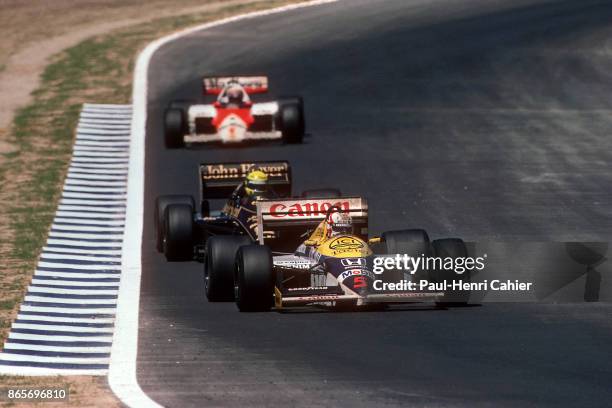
(234, 95)
(339, 223)
(256, 183)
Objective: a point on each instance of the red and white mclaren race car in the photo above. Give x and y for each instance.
(234, 117)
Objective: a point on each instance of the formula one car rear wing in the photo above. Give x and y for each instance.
(251, 84)
(218, 180)
(292, 219)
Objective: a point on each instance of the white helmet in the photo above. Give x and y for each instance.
(339, 223)
(234, 95)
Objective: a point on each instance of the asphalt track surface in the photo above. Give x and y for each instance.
(487, 120)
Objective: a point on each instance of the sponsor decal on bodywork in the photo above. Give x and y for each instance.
(346, 243)
(293, 264)
(308, 288)
(240, 170)
(281, 210)
(310, 209)
(251, 84)
(355, 272)
(353, 262)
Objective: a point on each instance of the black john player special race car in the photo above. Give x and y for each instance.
(234, 117)
(324, 268)
(182, 228)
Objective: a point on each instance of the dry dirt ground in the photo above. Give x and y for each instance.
(31, 32)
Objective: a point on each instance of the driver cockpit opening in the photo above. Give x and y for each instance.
(233, 96)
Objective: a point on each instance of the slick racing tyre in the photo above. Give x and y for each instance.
(219, 266)
(412, 242)
(291, 121)
(175, 127)
(182, 104)
(451, 248)
(292, 99)
(160, 207)
(178, 232)
(253, 282)
(322, 193)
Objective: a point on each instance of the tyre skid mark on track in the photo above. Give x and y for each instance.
(66, 321)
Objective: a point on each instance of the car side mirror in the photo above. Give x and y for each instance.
(374, 240)
(310, 242)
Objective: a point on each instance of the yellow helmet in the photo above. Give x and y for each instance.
(256, 182)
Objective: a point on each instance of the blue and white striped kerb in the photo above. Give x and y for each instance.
(65, 324)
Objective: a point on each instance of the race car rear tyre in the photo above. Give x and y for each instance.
(291, 123)
(178, 232)
(175, 127)
(219, 266)
(160, 207)
(412, 242)
(451, 248)
(254, 282)
(322, 193)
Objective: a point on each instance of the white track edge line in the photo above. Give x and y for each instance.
(122, 369)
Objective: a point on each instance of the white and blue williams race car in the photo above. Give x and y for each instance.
(317, 252)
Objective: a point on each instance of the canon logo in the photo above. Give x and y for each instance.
(280, 210)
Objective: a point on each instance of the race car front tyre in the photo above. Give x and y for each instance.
(160, 207)
(453, 248)
(254, 282)
(291, 123)
(283, 100)
(322, 193)
(293, 100)
(175, 127)
(182, 104)
(178, 232)
(219, 266)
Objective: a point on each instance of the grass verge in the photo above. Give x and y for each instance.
(83, 391)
